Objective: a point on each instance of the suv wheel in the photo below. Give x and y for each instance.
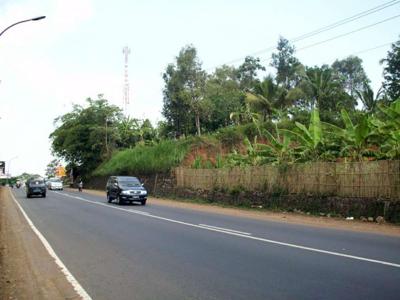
(120, 201)
(28, 195)
(143, 202)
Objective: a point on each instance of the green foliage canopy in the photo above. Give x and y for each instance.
(86, 136)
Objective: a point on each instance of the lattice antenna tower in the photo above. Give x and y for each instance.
(126, 51)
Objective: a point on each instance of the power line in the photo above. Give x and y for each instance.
(369, 49)
(348, 33)
(373, 48)
(320, 30)
(345, 21)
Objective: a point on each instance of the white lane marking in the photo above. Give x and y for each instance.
(247, 236)
(75, 284)
(224, 229)
(140, 212)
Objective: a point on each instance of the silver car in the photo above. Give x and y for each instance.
(54, 184)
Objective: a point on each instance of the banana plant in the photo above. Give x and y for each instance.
(309, 140)
(279, 149)
(246, 115)
(391, 146)
(251, 157)
(392, 115)
(354, 138)
(388, 130)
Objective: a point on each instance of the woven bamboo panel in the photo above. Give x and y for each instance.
(375, 179)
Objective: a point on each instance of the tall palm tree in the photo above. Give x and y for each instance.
(368, 99)
(266, 98)
(319, 85)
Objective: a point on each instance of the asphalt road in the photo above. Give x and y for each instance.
(160, 252)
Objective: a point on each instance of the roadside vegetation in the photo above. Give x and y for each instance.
(239, 116)
(145, 159)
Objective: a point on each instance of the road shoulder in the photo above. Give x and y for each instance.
(291, 218)
(27, 270)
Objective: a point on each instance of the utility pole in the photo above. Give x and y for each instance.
(126, 51)
(107, 152)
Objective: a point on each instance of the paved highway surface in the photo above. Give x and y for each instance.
(160, 252)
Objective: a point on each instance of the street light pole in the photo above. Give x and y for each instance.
(28, 20)
(8, 171)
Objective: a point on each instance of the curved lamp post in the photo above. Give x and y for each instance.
(28, 20)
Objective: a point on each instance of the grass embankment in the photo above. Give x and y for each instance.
(167, 154)
(144, 160)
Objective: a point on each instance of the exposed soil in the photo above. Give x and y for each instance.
(27, 271)
(293, 218)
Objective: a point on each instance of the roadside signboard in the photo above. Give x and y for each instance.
(2, 168)
(60, 171)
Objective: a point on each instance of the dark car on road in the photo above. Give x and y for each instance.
(125, 189)
(35, 186)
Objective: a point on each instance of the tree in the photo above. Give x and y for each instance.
(128, 130)
(351, 74)
(52, 168)
(264, 98)
(224, 95)
(247, 73)
(87, 136)
(286, 64)
(175, 108)
(146, 131)
(324, 91)
(367, 97)
(391, 72)
(184, 91)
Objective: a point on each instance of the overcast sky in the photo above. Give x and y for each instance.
(76, 53)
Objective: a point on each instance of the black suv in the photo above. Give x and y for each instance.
(35, 186)
(125, 189)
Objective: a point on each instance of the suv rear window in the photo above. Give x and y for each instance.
(36, 182)
(134, 182)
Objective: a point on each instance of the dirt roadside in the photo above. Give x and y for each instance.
(27, 271)
(292, 218)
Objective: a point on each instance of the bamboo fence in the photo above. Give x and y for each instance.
(373, 179)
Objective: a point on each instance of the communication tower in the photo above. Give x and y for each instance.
(126, 51)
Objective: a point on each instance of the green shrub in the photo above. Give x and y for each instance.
(197, 163)
(230, 137)
(219, 163)
(208, 165)
(143, 159)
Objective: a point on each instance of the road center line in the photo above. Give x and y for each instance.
(225, 229)
(240, 234)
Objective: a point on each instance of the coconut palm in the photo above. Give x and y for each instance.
(368, 99)
(320, 85)
(267, 98)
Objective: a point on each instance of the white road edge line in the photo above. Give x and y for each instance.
(71, 279)
(225, 229)
(245, 236)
